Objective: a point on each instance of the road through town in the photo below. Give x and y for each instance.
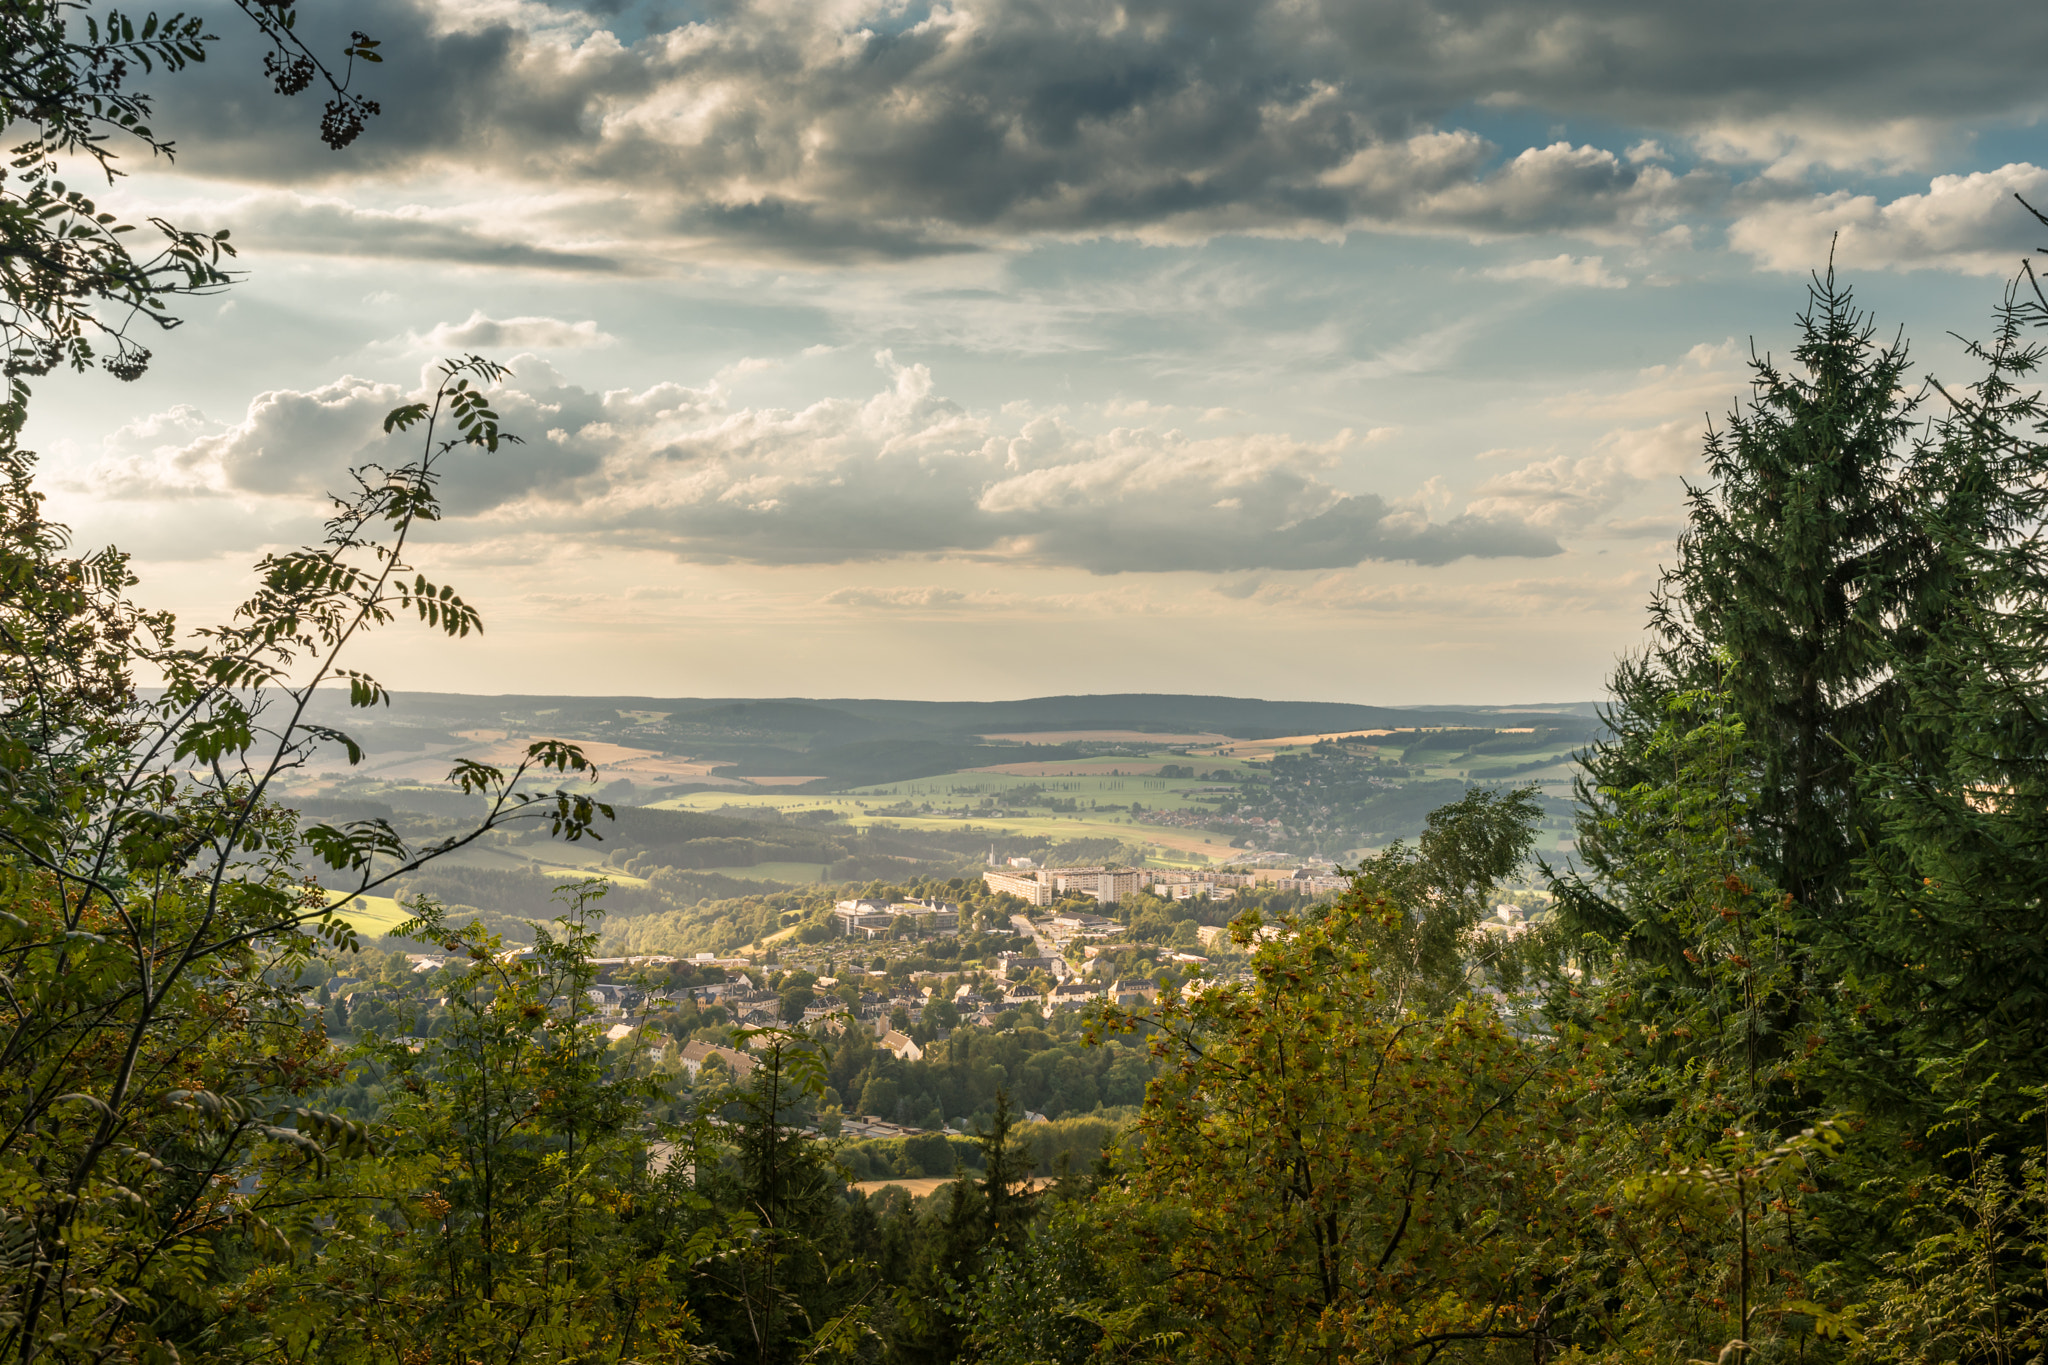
(1039, 943)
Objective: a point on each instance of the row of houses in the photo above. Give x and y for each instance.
(1044, 885)
(1179, 885)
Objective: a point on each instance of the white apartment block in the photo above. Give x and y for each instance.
(1043, 886)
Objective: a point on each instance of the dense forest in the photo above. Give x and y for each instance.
(1768, 1083)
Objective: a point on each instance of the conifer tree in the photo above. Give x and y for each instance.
(1797, 578)
(1806, 575)
(1949, 949)
(1814, 847)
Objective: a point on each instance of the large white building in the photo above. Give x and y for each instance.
(1044, 885)
(875, 919)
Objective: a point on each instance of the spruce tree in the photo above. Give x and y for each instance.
(1800, 570)
(1949, 949)
(1802, 560)
(1867, 604)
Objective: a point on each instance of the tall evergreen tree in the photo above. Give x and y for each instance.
(1815, 845)
(1949, 949)
(1803, 564)
(1806, 575)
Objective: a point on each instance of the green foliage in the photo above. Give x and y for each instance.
(1699, 957)
(71, 284)
(1967, 1283)
(1804, 565)
(155, 1057)
(505, 1220)
(1810, 857)
(1681, 1219)
(1328, 1175)
(1945, 940)
(1421, 907)
(1052, 1301)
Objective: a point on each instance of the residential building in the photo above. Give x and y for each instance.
(903, 1045)
(1017, 966)
(695, 1054)
(1024, 885)
(931, 916)
(873, 1126)
(1043, 886)
(1182, 891)
(1073, 992)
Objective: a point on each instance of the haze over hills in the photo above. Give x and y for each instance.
(870, 739)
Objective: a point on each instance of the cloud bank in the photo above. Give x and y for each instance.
(904, 473)
(1970, 224)
(872, 129)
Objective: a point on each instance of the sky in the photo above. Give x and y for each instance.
(1350, 350)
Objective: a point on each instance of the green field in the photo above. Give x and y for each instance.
(1162, 793)
(790, 874)
(961, 792)
(1107, 784)
(861, 809)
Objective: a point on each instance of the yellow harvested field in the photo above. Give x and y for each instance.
(1107, 737)
(1197, 843)
(500, 750)
(1253, 748)
(373, 916)
(919, 1186)
(1250, 748)
(1123, 767)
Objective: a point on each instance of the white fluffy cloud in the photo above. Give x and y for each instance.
(1587, 272)
(478, 332)
(903, 473)
(1590, 492)
(1967, 223)
(1570, 495)
(1707, 378)
(1789, 148)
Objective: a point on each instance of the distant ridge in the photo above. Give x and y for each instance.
(854, 719)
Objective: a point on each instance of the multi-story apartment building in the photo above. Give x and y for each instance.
(1044, 885)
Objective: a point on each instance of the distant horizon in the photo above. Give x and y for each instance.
(398, 693)
(1349, 358)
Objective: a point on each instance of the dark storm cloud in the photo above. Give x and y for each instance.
(905, 473)
(819, 129)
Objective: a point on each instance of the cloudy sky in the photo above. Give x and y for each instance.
(1338, 349)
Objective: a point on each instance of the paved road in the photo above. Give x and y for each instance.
(1023, 925)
